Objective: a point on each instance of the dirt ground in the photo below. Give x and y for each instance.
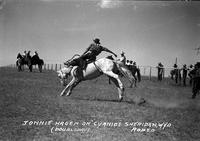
(31, 109)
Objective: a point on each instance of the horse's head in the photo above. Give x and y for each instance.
(19, 56)
(63, 74)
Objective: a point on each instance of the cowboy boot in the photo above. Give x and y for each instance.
(84, 64)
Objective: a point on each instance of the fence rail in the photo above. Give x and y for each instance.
(148, 71)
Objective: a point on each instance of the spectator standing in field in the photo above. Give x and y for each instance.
(184, 74)
(189, 74)
(195, 73)
(160, 71)
(177, 74)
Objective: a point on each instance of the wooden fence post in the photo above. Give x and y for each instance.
(150, 74)
(163, 73)
(144, 70)
(56, 67)
(51, 66)
(44, 66)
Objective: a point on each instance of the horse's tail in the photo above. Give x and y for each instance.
(125, 72)
(42, 61)
(138, 74)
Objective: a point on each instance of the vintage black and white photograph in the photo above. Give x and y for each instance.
(99, 70)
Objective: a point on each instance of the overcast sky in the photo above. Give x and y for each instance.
(148, 32)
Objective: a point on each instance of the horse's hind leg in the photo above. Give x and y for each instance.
(73, 85)
(120, 91)
(115, 79)
(128, 74)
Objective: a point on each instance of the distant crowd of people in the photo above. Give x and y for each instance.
(128, 63)
(131, 63)
(178, 73)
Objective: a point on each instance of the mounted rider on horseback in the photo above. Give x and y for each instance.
(89, 55)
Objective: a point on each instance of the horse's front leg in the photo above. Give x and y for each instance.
(73, 85)
(67, 87)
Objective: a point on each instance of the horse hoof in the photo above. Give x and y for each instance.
(62, 94)
(193, 96)
(120, 100)
(142, 101)
(68, 94)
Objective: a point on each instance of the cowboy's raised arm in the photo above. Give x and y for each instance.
(107, 50)
(86, 50)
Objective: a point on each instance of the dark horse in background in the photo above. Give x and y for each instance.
(29, 61)
(23, 60)
(35, 60)
(135, 70)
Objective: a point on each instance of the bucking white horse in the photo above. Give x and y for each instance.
(93, 70)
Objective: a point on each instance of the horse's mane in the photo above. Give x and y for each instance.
(71, 59)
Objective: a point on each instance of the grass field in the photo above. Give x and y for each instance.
(92, 112)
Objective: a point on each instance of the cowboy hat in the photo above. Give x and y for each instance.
(122, 52)
(96, 40)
